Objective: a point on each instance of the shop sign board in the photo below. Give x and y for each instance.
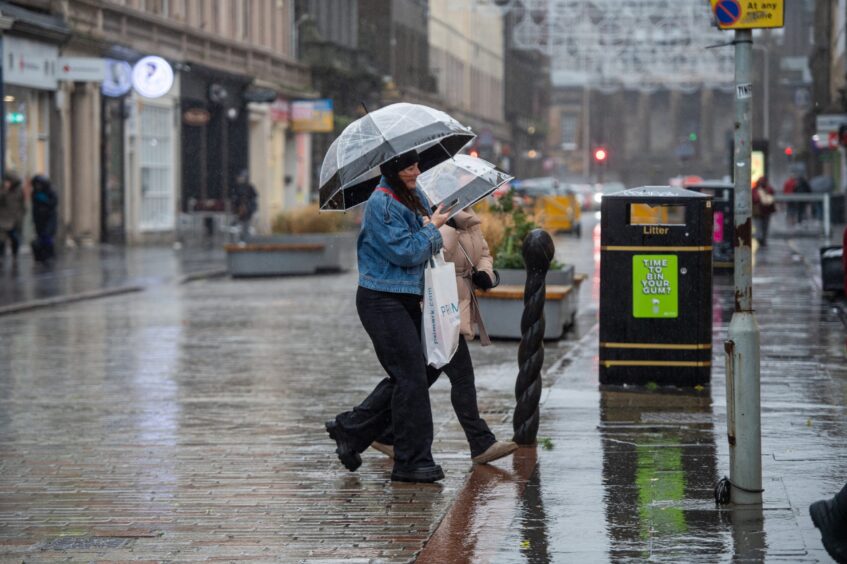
(196, 117)
(280, 111)
(313, 116)
(29, 63)
(117, 78)
(152, 77)
(81, 69)
(825, 123)
(749, 14)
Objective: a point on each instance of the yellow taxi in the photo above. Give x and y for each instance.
(554, 205)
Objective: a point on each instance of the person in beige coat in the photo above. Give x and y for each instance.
(466, 248)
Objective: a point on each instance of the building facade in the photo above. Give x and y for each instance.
(140, 165)
(467, 58)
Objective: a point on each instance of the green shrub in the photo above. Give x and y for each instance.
(507, 245)
(308, 219)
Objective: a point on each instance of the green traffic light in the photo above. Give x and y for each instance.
(692, 136)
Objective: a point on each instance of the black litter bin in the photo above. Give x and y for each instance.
(832, 269)
(656, 287)
(723, 205)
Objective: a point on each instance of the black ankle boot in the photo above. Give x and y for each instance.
(827, 517)
(344, 447)
(421, 474)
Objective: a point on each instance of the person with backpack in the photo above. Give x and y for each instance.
(45, 203)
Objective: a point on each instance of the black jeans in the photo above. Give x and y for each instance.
(764, 221)
(378, 406)
(463, 397)
(401, 401)
(14, 240)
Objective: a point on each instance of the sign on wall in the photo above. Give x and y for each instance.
(81, 69)
(117, 78)
(152, 77)
(312, 116)
(29, 63)
(654, 286)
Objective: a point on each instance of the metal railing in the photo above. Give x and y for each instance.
(811, 198)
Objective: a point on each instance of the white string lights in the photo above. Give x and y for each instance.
(645, 45)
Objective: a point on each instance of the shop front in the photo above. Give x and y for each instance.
(214, 145)
(29, 76)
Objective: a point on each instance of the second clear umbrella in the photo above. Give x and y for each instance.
(461, 182)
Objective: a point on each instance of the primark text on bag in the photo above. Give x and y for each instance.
(441, 316)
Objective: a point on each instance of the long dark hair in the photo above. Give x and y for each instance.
(408, 198)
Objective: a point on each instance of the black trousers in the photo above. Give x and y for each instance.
(400, 401)
(377, 409)
(14, 240)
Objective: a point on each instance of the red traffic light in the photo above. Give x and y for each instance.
(600, 154)
(789, 151)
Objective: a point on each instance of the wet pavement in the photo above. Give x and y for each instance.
(184, 423)
(102, 268)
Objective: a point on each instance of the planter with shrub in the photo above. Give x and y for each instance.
(303, 242)
(505, 226)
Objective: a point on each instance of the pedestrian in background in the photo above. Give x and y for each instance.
(45, 203)
(466, 248)
(12, 211)
(788, 188)
(397, 239)
(244, 199)
(763, 207)
(830, 517)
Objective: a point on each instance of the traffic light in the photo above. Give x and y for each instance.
(789, 151)
(600, 155)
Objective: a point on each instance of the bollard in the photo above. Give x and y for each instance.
(537, 252)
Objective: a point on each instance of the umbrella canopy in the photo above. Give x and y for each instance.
(350, 170)
(461, 182)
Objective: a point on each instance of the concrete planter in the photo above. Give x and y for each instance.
(517, 276)
(502, 307)
(278, 255)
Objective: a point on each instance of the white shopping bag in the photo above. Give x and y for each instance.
(441, 317)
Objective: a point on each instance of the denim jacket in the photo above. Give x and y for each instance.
(394, 245)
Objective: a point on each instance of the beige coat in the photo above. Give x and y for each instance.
(469, 235)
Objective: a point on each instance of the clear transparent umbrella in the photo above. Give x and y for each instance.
(461, 182)
(350, 169)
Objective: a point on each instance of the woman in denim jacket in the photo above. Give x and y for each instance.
(397, 239)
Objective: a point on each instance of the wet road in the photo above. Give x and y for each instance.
(185, 424)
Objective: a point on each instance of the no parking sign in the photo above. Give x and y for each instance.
(749, 14)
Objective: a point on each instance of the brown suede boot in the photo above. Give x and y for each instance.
(387, 450)
(495, 451)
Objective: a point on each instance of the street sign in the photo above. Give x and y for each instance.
(749, 14)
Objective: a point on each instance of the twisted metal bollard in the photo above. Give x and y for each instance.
(537, 251)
